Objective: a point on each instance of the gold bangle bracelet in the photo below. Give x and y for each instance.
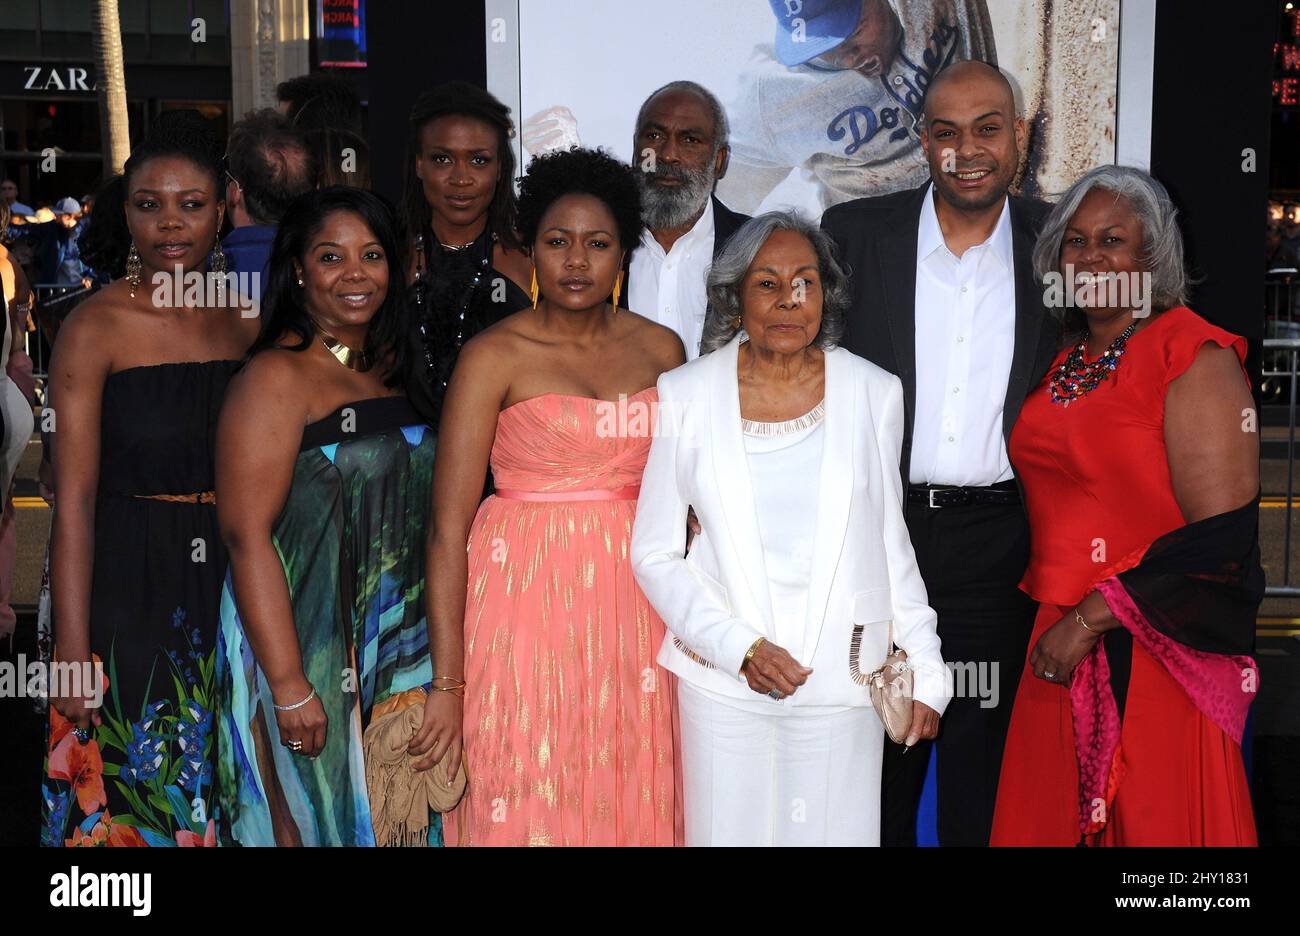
(749, 654)
(1079, 617)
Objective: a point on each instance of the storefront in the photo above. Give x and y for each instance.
(177, 54)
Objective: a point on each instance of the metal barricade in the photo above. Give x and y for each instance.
(1280, 297)
(1280, 370)
(52, 299)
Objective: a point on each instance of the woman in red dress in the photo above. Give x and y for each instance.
(1140, 463)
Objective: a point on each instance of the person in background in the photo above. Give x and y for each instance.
(559, 639)
(9, 192)
(105, 241)
(944, 297)
(17, 393)
(1142, 484)
(467, 267)
(324, 474)
(320, 101)
(41, 237)
(342, 157)
(681, 151)
(137, 561)
(268, 165)
(1290, 227)
(71, 271)
(1278, 254)
(17, 288)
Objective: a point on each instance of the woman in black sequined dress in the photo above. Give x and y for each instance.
(467, 268)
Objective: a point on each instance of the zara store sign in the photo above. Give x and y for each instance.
(57, 78)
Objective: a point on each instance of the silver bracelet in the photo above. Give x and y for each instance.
(289, 708)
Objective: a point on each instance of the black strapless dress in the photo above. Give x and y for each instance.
(145, 778)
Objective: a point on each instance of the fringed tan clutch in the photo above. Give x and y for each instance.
(401, 796)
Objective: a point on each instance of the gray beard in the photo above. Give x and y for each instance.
(664, 208)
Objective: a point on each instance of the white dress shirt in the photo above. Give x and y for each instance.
(965, 336)
(669, 288)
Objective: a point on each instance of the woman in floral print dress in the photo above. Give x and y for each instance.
(136, 383)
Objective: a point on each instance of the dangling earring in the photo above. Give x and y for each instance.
(218, 267)
(618, 288)
(536, 292)
(218, 259)
(133, 267)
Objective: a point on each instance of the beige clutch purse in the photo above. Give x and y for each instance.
(400, 796)
(891, 687)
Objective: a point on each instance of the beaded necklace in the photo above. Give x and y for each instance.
(426, 273)
(1074, 379)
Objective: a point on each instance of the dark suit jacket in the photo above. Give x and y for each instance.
(725, 223)
(877, 239)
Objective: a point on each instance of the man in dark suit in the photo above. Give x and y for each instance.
(681, 151)
(944, 297)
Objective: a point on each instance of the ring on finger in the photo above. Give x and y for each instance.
(294, 745)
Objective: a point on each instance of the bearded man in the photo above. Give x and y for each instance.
(681, 148)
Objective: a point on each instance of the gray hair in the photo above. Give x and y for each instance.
(721, 127)
(1162, 242)
(729, 269)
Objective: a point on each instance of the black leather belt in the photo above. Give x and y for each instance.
(1004, 493)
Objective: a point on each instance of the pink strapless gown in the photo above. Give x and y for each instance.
(568, 720)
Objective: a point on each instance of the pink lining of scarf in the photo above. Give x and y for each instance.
(1221, 687)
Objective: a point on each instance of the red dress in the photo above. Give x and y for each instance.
(1097, 487)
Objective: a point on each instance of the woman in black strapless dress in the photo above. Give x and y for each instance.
(136, 383)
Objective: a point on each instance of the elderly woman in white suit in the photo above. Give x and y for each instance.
(787, 448)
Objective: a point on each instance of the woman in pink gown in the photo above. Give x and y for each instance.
(567, 720)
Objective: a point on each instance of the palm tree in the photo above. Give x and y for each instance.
(115, 135)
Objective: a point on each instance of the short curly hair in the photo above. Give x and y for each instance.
(588, 171)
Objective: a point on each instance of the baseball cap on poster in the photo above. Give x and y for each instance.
(807, 28)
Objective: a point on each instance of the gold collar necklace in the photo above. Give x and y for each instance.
(352, 360)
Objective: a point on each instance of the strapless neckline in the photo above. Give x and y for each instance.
(575, 396)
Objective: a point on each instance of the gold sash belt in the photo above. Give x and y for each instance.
(202, 497)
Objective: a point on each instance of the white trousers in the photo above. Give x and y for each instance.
(750, 778)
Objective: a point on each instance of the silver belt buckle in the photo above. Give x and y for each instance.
(933, 505)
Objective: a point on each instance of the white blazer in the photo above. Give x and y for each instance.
(715, 601)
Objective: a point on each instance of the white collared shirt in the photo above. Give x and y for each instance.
(669, 288)
(965, 336)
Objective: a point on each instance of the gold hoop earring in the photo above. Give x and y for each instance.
(618, 288)
(536, 291)
(133, 267)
